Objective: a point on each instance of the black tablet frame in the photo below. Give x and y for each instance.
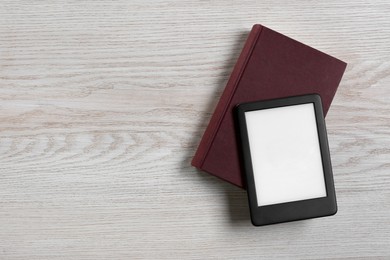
(296, 210)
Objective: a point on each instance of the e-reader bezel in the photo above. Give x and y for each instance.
(295, 210)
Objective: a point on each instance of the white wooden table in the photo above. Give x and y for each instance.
(103, 104)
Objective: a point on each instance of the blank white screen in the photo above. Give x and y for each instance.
(285, 153)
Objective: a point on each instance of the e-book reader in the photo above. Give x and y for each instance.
(286, 159)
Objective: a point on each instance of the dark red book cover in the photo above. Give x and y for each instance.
(271, 65)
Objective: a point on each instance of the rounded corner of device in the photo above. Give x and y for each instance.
(334, 210)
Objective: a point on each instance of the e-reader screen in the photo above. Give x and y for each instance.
(285, 153)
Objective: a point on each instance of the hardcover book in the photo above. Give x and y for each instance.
(271, 65)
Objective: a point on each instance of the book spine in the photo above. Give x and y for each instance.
(225, 99)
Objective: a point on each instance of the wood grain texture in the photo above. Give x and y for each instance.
(103, 104)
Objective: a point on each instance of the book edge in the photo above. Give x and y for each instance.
(338, 84)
